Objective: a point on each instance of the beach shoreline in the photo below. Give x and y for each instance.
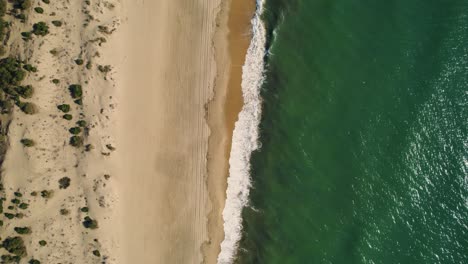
(231, 40)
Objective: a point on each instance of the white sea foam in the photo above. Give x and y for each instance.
(244, 140)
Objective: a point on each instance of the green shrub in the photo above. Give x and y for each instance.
(89, 147)
(22, 4)
(64, 212)
(81, 123)
(23, 206)
(11, 207)
(28, 108)
(89, 65)
(75, 130)
(14, 245)
(46, 1)
(27, 142)
(25, 91)
(79, 61)
(22, 230)
(40, 29)
(76, 141)
(11, 72)
(18, 194)
(30, 68)
(90, 223)
(56, 81)
(26, 35)
(3, 7)
(15, 201)
(67, 117)
(39, 10)
(42, 243)
(104, 69)
(21, 17)
(78, 101)
(76, 91)
(9, 215)
(19, 215)
(34, 261)
(57, 23)
(96, 253)
(33, 193)
(64, 108)
(84, 209)
(47, 194)
(10, 259)
(64, 182)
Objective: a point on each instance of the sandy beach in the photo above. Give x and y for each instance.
(171, 183)
(160, 94)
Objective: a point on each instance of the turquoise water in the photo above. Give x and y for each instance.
(364, 135)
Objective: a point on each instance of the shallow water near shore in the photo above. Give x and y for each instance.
(363, 136)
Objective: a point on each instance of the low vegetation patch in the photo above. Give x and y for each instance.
(90, 223)
(40, 29)
(14, 245)
(64, 183)
(76, 141)
(27, 142)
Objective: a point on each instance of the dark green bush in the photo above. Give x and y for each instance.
(14, 245)
(67, 117)
(89, 147)
(28, 108)
(57, 23)
(34, 261)
(10, 259)
(64, 212)
(21, 17)
(81, 123)
(76, 141)
(64, 108)
(75, 130)
(46, 1)
(26, 35)
(25, 91)
(96, 253)
(84, 209)
(23, 206)
(27, 142)
(104, 69)
(78, 101)
(22, 4)
(30, 68)
(76, 91)
(40, 29)
(90, 223)
(56, 81)
(64, 182)
(79, 61)
(3, 6)
(9, 215)
(42, 243)
(11, 72)
(39, 10)
(22, 230)
(15, 201)
(18, 194)
(47, 194)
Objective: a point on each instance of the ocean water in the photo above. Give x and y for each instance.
(361, 152)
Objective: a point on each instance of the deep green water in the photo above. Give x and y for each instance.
(364, 135)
